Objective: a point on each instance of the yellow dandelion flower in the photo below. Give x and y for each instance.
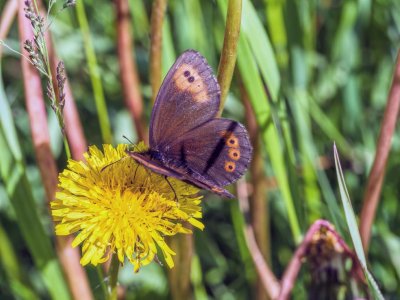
(118, 206)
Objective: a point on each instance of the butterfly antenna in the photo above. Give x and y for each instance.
(130, 142)
(170, 185)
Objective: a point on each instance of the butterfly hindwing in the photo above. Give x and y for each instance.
(218, 151)
(187, 141)
(189, 96)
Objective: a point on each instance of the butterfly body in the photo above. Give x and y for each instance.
(187, 140)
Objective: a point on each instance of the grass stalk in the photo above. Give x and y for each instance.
(157, 18)
(228, 55)
(6, 19)
(128, 69)
(376, 176)
(94, 72)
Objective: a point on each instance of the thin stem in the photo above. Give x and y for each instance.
(157, 18)
(94, 74)
(6, 19)
(2, 43)
(66, 146)
(128, 70)
(113, 275)
(228, 55)
(376, 176)
(267, 277)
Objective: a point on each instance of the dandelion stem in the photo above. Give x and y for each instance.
(157, 18)
(113, 273)
(228, 55)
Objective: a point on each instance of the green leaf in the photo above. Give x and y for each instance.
(353, 227)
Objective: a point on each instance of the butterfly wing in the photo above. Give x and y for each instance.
(217, 152)
(189, 96)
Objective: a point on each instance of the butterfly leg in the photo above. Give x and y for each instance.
(134, 175)
(170, 185)
(110, 164)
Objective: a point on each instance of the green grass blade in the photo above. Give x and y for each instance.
(196, 275)
(261, 48)
(253, 84)
(141, 24)
(94, 72)
(238, 222)
(19, 191)
(276, 27)
(189, 25)
(168, 51)
(353, 227)
(11, 267)
(308, 155)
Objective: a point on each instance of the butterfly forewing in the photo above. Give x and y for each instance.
(219, 151)
(187, 141)
(188, 97)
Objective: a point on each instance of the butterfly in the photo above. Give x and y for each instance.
(187, 139)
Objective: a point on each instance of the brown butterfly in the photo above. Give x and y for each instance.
(187, 140)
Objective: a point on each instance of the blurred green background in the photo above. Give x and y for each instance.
(314, 72)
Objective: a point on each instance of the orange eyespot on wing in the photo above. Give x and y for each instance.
(234, 153)
(186, 78)
(230, 166)
(231, 139)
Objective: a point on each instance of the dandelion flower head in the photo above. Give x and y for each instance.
(118, 206)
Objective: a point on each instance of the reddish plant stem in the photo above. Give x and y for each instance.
(73, 126)
(157, 19)
(6, 19)
(268, 279)
(376, 176)
(258, 199)
(128, 69)
(69, 257)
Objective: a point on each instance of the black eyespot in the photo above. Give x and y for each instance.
(186, 73)
(191, 79)
(232, 141)
(235, 154)
(230, 167)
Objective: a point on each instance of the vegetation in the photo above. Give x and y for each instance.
(308, 74)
